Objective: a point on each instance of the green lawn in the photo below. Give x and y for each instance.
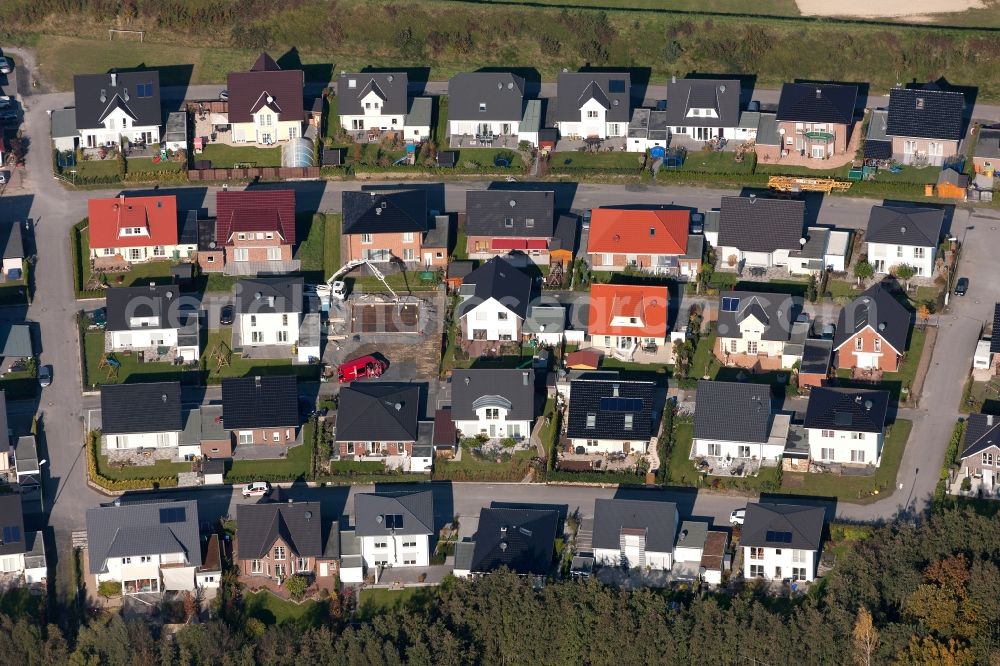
(139, 274)
(319, 245)
(703, 356)
(710, 161)
(862, 489)
(399, 282)
(375, 601)
(226, 157)
(159, 469)
(269, 609)
(460, 251)
(146, 165)
(131, 369)
(470, 468)
(293, 468)
(440, 136)
(241, 367)
(486, 158)
(842, 289)
(91, 168)
(765, 7)
(680, 469)
(585, 160)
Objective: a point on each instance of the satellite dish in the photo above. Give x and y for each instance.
(258, 295)
(512, 203)
(902, 230)
(499, 86)
(378, 519)
(881, 326)
(868, 404)
(781, 131)
(170, 294)
(722, 89)
(615, 103)
(398, 406)
(308, 515)
(510, 86)
(211, 245)
(802, 241)
(270, 99)
(390, 78)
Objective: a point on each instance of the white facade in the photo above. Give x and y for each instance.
(474, 127)
(491, 320)
(373, 117)
(833, 255)
(13, 263)
(612, 557)
(492, 422)
(611, 445)
(718, 448)
(701, 133)
(593, 122)
(12, 564)
(779, 563)
(208, 579)
(118, 125)
(143, 440)
(134, 254)
(843, 446)
(146, 575)
(778, 257)
(401, 550)
(883, 257)
(265, 128)
(142, 338)
(269, 328)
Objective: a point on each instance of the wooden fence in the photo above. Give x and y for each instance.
(263, 173)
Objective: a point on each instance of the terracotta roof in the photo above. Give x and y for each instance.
(110, 217)
(585, 359)
(639, 231)
(248, 91)
(647, 304)
(255, 210)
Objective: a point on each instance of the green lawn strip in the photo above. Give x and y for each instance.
(486, 157)
(158, 470)
(470, 468)
(703, 356)
(269, 609)
(226, 157)
(312, 243)
(291, 468)
(331, 244)
(680, 468)
(858, 489)
(399, 282)
(131, 369)
(460, 251)
(441, 126)
(218, 282)
(241, 367)
(722, 162)
(146, 165)
(332, 117)
(842, 289)
(572, 160)
(97, 168)
(377, 601)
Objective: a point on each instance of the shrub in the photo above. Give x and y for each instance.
(296, 586)
(110, 588)
(118, 485)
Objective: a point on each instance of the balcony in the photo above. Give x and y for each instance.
(818, 136)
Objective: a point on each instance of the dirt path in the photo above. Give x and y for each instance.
(924, 365)
(28, 78)
(911, 9)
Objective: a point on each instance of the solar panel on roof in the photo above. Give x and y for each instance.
(778, 537)
(12, 534)
(616, 85)
(621, 404)
(842, 418)
(172, 515)
(730, 304)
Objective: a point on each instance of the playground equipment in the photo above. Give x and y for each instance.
(222, 355)
(111, 364)
(801, 184)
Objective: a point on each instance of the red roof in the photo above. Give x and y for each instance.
(519, 244)
(444, 428)
(584, 359)
(613, 306)
(255, 210)
(155, 217)
(630, 231)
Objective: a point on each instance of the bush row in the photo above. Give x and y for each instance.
(443, 473)
(76, 247)
(941, 499)
(118, 485)
(621, 478)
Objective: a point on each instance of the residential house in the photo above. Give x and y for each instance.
(986, 157)
(903, 235)
(11, 251)
(394, 528)
(626, 318)
(280, 539)
(483, 105)
(15, 346)
(758, 330)
(814, 370)
(501, 221)
(781, 541)
(370, 103)
(254, 233)
(980, 458)
(733, 423)
(118, 106)
(594, 104)
(149, 322)
(610, 415)
(846, 425)
(648, 129)
(386, 226)
(495, 299)
(759, 232)
(546, 326)
(925, 125)
(148, 547)
(63, 129)
(380, 421)
(268, 311)
(22, 554)
(521, 539)
(703, 109)
(634, 533)
(816, 119)
(872, 332)
(266, 104)
(261, 411)
(142, 416)
(498, 403)
(129, 230)
(654, 241)
(824, 250)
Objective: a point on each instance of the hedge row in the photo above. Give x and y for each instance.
(76, 247)
(940, 501)
(118, 485)
(442, 473)
(339, 467)
(156, 176)
(621, 478)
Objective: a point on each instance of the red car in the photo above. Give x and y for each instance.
(359, 368)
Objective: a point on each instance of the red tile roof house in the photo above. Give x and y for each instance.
(629, 321)
(653, 241)
(130, 230)
(254, 233)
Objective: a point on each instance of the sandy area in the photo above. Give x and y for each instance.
(885, 8)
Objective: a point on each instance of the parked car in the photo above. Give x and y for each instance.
(6, 102)
(3, 177)
(45, 376)
(226, 316)
(8, 116)
(586, 219)
(99, 318)
(737, 516)
(6, 65)
(224, 96)
(962, 286)
(257, 489)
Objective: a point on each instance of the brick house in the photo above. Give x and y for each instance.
(651, 240)
(500, 221)
(279, 539)
(817, 118)
(378, 421)
(383, 226)
(925, 124)
(872, 332)
(254, 232)
(261, 410)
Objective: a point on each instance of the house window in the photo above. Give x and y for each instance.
(126, 560)
(350, 448)
(918, 253)
(284, 320)
(857, 456)
(751, 346)
(279, 552)
(592, 420)
(480, 315)
(878, 344)
(777, 551)
(501, 316)
(756, 570)
(256, 566)
(241, 254)
(408, 237)
(241, 236)
(591, 114)
(279, 570)
(293, 132)
(159, 251)
(508, 222)
(899, 251)
(756, 553)
(274, 254)
(256, 336)
(715, 450)
(591, 442)
(826, 454)
(987, 458)
(798, 573)
(275, 436)
(826, 433)
(303, 564)
(210, 258)
(145, 558)
(381, 544)
(798, 556)
(246, 437)
(269, 235)
(253, 320)
(492, 413)
(529, 223)
(366, 238)
(109, 251)
(744, 451)
(409, 544)
(732, 345)
(135, 254)
(628, 421)
(408, 254)
(859, 343)
(410, 561)
(482, 106)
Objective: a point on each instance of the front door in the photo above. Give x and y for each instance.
(625, 342)
(627, 447)
(493, 431)
(777, 572)
(428, 258)
(505, 128)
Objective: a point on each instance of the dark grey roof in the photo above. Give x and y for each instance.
(378, 412)
(12, 536)
(91, 110)
(732, 411)
(754, 224)
(15, 340)
(878, 145)
(606, 404)
(564, 236)
(405, 512)
(269, 295)
(876, 308)
(816, 356)
(259, 526)
(612, 90)
(545, 319)
(459, 269)
(817, 103)
(501, 92)
(376, 212)
(722, 95)
(658, 519)
(11, 243)
(513, 390)
(774, 311)
(898, 225)
(64, 123)
(858, 410)
(159, 302)
(953, 177)
(489, 211)
(523, 540)
(783, 526)
(981, 432)
(499, 280)
(260, 402)
(930, 114)
(767, 130)
(815, 247)
(391, 87)
(988, 144)
(142, 528)
(137, 408)
(464, 552)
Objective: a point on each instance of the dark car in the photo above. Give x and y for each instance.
(8, 117)
(226, 316)
(962, 286)
(45, 375)
(99, 318)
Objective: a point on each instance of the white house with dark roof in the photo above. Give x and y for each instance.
(484, 106)
(610, 416)
(980, 457)
(110, 107)
(759, 329)
(498, 403)
(904, 235)
(12, 250)
(370, 103)
(380, 421)
(268, 311)
(846, 425)
(149, 322)
(21, 553)
(759, 232)
(394, 529)
(781, 541)
(635, 533)
(495, 300)
(520, 537)
(594, 104)
(703, 109)
(266, 103)
(142, 416)
(734, 426)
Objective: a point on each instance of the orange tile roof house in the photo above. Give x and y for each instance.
(625, 317)
(653, 240)
(128, 230)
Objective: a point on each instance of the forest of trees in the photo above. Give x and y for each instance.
(909, 594)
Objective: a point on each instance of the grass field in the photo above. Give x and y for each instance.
(472, 468)
(765, 7)
(583, 160)
(225, 157)
(294, 467)
(269, 609)
(373, 601)
(240, 367)
(131, 370)
(159, 469)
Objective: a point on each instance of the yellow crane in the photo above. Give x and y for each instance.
(803, 184)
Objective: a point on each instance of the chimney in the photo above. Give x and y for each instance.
(673, 78)
(256, 381)
(114, 80)
(819, 93)
(614, 390)
(989, 419)
(503, 531)
(753, 198)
